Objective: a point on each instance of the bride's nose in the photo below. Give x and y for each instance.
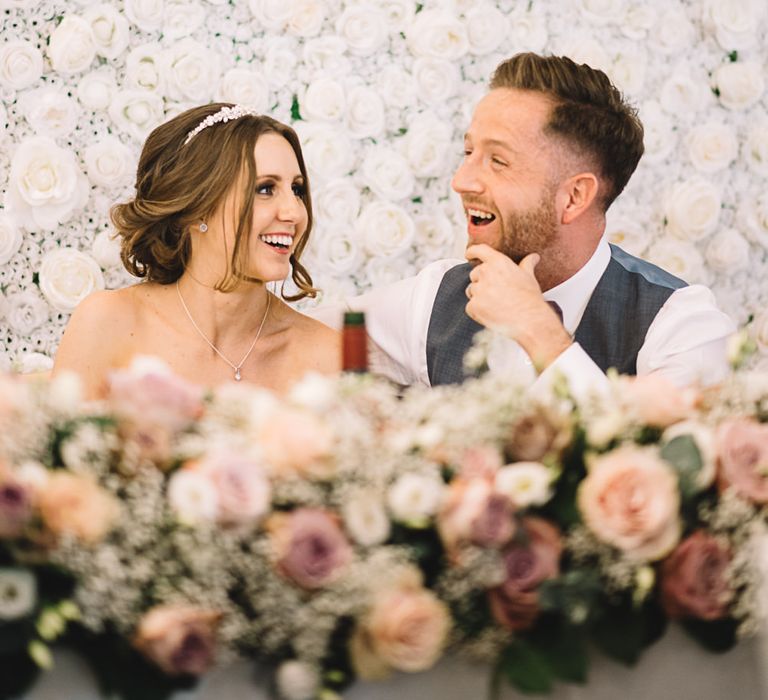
(290, 208)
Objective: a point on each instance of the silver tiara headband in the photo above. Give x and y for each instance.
(225, 114)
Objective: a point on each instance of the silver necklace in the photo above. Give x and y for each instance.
(234, 366)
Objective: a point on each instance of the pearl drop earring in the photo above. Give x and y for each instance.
(203, 227)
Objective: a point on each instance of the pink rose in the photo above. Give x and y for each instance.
(16, 507)
(742, 451)
(473, 512)
(405, 629)
(656, 401)
(515, 603)
(630, 500)
(694, 581)
(180, 639)
(536, 435)
(310, 548)
(297, 443)
(480, 462)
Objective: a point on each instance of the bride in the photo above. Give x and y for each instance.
(222, 207)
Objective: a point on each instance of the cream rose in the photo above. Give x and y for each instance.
(272, 14)
(628, 69)
(759, 330)
(324, 99)
(528, 29)
(279, 60)
(415, 498)
(398, 13)
(182, 18)
(95, 89)
(106, 250)
(10, 238)
(136, 112)
(436, 80)
(740, 85)
(756, 147)
(109, 162)
(193, 498)
(363, 27)
(306, 18)
(109, 29)
(147, 15)
(386, 229)
(524, 483)
(25, 311)
(49, 111)
(21, 65)
(692, 208)
(435, 233)
(437, 34)
(67, 276)
(659, 138)
(326, 55)
(486, 27)
(190, 71)
(637, 21)
(387, 173)
(752, 217)
(630, 500)
(674, 31)
(365, 518)
(297, 680)
(680, 258)
(71, 46)
(427, 145)
(327, 150)
(654, 400)
(365, 113)
(712, 147)
(728, 251)
(601, 11)
(683, 95)
(397, 87)
(734, 21)
(244, 87)
(143, 69)
(337, 200)
(338, 248)
(627, 231)
(32, 363)
(45, 186)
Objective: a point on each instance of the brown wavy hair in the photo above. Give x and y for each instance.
(589, 113)
(179, 185)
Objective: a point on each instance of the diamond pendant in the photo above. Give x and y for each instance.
(237, 374)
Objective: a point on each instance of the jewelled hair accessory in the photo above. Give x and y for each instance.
(225, 114)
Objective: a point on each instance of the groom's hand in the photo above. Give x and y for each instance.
(507, 297)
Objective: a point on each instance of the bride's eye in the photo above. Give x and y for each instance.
(299, 189)
(266, 188)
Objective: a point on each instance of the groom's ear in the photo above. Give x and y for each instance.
(576, 195)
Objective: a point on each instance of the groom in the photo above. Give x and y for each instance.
(548, 150)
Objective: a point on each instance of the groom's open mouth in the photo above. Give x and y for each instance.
(279, 241)
(478, 217)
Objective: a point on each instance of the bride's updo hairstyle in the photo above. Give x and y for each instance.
(181, 181)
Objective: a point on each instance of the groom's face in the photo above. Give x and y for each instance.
(507, 180)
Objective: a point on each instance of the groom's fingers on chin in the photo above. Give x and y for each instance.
(480, 252)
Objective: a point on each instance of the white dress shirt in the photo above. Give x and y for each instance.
(686, 342)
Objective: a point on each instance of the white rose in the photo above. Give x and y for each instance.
(659, 137)
(415, 498)
(279, 60)
(385, 229)
(193, 497)
(693, 209)
(601, 11)
(680, 258)
(337, 200)
(607, 426)
(26, 311)
(18, 593)
(109, 28)
(674, 32)
(437, 34)
(434, 232)
(190, 70)
(387, 173)
(398, 13)
(297, 680)
(325, 55)
(727, 251)
(67, 276)
(10, 237)
(143, 68)
(528, 29)
(637, 21)
(49, 111)
(106, 250)
(136, 112)
(382, 271)
(363, 27)
(427, 145)
(337, 248)
(704, 440)
(397, 87)
(365, 518)
(272, 14)
(314, 391)
(524, 483)
(96, 89)
(306, 18)
(327, 150)
(365, 113)
(734, 21)
(712, 147)
(32, 363)
(65, 394)
(682, 95)
(21, 65)
(71, 46)
(756, 147)
(436, 81)
(626, 231)
(487, 28)
(182, 18)
(244, 87)
(46, 186)
(324, 99)
(752, 216)
(147, 15)
(740, 85)
(627, 71)
(759, 330)
(584, 49)
(109, 162)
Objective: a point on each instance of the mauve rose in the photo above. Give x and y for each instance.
(15, 508)
(742, 455)
(180, 639)
(656, 401)
(515, 603)
(536, 435)
(694, 581)
(310, 548)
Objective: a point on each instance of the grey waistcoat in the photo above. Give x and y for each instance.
(612, 329)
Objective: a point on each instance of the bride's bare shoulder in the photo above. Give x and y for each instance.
(318, 345)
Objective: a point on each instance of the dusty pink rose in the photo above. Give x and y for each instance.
(480, 462)
(536, 435)
(742, 455)
(297, 443)
(405, 629)
(694, 581)
(630, 500)
(473, 512)
(310, 547)
(78, 506)
(515, 603)
(16, 507)
(180, 639)
(656, 401)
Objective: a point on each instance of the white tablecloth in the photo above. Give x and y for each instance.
(674, 669)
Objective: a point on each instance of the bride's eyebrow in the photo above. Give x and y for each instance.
(295, 178)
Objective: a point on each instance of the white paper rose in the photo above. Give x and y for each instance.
(109, 162)
(740, 85)
(271, 14)
(279, 60)
(96, 89)
(67, 276)
(326, 55)
(683, 95)
(147, 15)
(10, 237)
(365, 518)
(712, 147)
(136, 112)
(244, 87)
(415, 498)
(32, 363)
(397, 87)
(182, 18)
(528, 29)
(628, 70)
(365, 113)
(106, 250)
(680, 258)
(674, 32)
(387, 173)
(756, 147)
(380, 272)
(337, 200)
(637, 21)
(143, 67)
(759, 330)
(434, 233)
(337, 247)
(659, 136)
(26, 311)
(363, 27)
(436, 80)
(486, 27)
(582, 48)
(21, 65)
(46, 186)
(752, 218)
(306, 18)
(427, 145)
(627, 231)
(727, 251)
(109, 28)
(601, 12)
(693, 209)
(71, 47)
(437, 34)
(324, 99)
(190, 71)
(734, 21)
(49, 111)
(386, 229)
(398, 13)
(327, 150)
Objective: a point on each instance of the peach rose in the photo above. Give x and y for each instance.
(481, 461)
(630, 500)
(536, 435)
(405, 629)
(694, 580)
(78, 506)
(515, 603)
(742, 455)
(656, 401)
(180, 639)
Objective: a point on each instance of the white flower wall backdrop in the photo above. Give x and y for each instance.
(380, 93)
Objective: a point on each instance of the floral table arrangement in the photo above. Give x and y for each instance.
(348, 531)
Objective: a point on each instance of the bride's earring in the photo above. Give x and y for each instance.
(203, 227)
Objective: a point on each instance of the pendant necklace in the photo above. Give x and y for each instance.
(234, 366)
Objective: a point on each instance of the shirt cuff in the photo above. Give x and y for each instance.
(583, 376)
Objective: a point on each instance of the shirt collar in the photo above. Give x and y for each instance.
(573, 295)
